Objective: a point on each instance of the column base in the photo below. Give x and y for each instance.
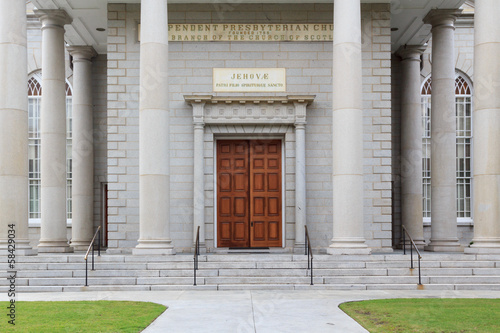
(80, 248)
(80, 245)
(484, 246)
(54, 247)
(348, 250)
(203, 248)
(451, 245)
(299, 248)
(23, 247)
(349, 246)
(420, 243)
(154, 247)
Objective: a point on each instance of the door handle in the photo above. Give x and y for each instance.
(251, 224)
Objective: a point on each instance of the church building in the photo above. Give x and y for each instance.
(249, 124)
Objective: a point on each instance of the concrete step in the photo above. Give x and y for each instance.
(97, 265)
(81, 281)
(300, 272)
(476, 279)
(201, 265)
(66, 272)
(429, 271)
(166, 280)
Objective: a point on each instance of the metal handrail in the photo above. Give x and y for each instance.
(196, 254)
(92, 246)
(309, 254)
(411, 252)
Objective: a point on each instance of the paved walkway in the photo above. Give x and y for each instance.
(252, 311)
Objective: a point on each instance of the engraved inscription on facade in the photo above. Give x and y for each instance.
(311, 32)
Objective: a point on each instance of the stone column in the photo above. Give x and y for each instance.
(154, 160)
(83, 148)
(13, 127)
(347, 131)
(53, 237)
(199, 167)
(300, 175)
(411, 144)
(486, 124)
(443, 132)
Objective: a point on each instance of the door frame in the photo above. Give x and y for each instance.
(283, 173)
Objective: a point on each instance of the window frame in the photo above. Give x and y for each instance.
(426, 101)
(36, 221)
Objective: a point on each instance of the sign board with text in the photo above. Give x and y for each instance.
(249, 79)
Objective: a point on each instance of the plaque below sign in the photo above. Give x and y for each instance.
(249, 79)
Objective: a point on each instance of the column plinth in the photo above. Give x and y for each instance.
(411, 145)
(53, 235)
(347, 131)
(83, 148)
(154, 132)
(443, 133)
(486, 114)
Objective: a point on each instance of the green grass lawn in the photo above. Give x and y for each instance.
(85, 316)
(426, 315)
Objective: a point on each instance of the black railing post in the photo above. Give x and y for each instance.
(196, 254)
(99, 243)
(419, 275)
(312, 272)
(305, 240)
(93, 245)
(404, 241)
(86, 273)
(194, 272)
(411, 256)
(412, 245)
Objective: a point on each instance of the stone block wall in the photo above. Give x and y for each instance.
(308, 67)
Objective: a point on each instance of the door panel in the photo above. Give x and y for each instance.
(232, 194)
(265, 191)
(249, 193)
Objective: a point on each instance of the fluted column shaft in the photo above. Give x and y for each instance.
(154, 133)
(83, 148)
(347, 131)
(411, 144)
(53, 237)
(13, 127)
(443, 132)
(486, 189)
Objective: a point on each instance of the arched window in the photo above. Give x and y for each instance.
(463, 107)
(34, 106)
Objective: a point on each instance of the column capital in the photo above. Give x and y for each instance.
(411, 52)
(81, 52)
(300, 113)
(53, 17)
(442, 17)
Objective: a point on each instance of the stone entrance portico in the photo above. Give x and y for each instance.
(163, 117)
(257, 117)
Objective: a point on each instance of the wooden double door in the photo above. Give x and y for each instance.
(249, 206)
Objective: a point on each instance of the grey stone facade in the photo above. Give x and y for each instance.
(308, 71)
(308, 67)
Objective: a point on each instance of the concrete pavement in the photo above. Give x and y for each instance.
(255, 311)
